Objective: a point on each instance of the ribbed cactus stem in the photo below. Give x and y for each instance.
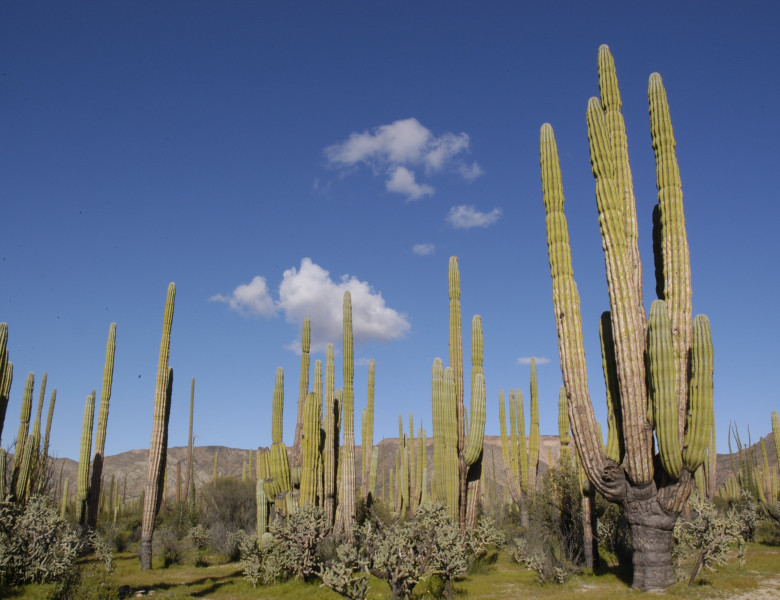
(303, 390)
(24, 418)
(330, 449)
(100, 435)
(189, 475)
(563, 427)
(280, 465)
(700, 401)
(158, 445)
(86, 449)
(4, 364)
(310, 450)
(368, 430)
(533, 430)
(347, 468)
(373, 471)
(262, 509)
(660, 361)
(775, 434)
(65, 498)
(614, 450)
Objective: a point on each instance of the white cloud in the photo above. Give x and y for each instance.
(402, 144)
(310, 292)
(470, 172)
(423, 249)
(401, 180)
(465, 217)
(526, 360)
(249, 298)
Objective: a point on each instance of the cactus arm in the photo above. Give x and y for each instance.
(473, 448)
(775, 434)
(24, 417)
(563, 428)
(568, 319)
(626, 310)
(700, 411)
(521, 451)
(330, 449)
(615, 448)
(661, 380)
(3, 366)
(368, 430)
(676, 279)
(279, 461)
(86, 450)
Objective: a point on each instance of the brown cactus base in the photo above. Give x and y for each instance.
(651, 532)
(145, 554)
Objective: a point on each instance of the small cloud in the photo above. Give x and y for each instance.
(393, 149)
(423, 249)
(310, 292)
(362, 362)
(401, 180)
(526, 360)
(466, 217)
(320, 187)
(250, 298)
(470, 172)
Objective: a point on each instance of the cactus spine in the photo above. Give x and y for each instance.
(100, 438)
(652, 497)
(86, 449)
(158, 445)
(347, 467)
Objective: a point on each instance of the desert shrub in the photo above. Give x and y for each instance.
(613, 531)
(168, 546)
(345, 573)
(484, 535)
(231, 502)
(706, 537)
(300, 534)
(265, 561)
(553, 543)
(36, 545)
(224, 541)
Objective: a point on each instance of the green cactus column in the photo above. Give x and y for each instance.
(6, 374)
(86, 449)
(368, 431)
(158, 445)
(303, 390)
(310, 447)
(533, 430)
(331, 442)
(100, 438)
(347, 468)
(189, 475)
(279, 461)
(24, 422)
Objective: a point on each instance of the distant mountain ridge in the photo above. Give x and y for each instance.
(129, 468)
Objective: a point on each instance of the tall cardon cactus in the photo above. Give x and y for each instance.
(100, 438)
(82, 488)
(466, 465)
(663, 368)
(158, 447)
(347, 467)
(6, 374)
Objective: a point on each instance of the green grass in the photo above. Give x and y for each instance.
(495, 577)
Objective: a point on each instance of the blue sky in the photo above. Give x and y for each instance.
(266, 156)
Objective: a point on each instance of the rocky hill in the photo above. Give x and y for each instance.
(129, 468)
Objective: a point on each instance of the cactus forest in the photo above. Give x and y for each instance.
(430, 510)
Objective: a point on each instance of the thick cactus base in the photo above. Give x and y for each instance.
(651, 534)
(145, 554)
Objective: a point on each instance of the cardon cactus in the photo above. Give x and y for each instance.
(100, 437)
(280, 466)
(24, 422)
(466, 465)
(303, 390)
(310, 449)
(82, 488)
(6, 374)
(189, 474)
(158, 446)
(368, 431)
(331, 443)
(347, 466)
(657, 395)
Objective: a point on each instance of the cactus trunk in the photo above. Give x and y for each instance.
(158, 445)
